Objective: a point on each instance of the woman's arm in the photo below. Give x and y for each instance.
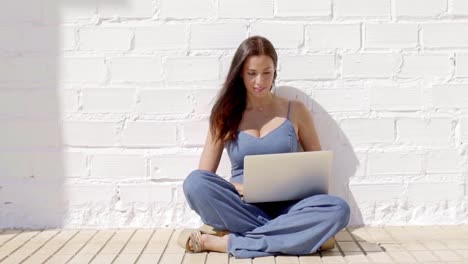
(306, 129)
(211, 154)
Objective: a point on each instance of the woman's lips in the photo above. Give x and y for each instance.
(259, 89)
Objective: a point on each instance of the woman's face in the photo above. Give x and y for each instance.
(258, 73)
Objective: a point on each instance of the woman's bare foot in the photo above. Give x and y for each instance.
(215, 243)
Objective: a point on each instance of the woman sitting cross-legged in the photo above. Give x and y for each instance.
(248, 119)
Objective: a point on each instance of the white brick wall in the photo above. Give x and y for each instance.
(462, 65)
(444, 35)
(426, 65)
(105, 38)
(105, 104)
(245, 9)
(450, 96)
(303, 8)
(217, 36)
(369, 65)
(377, 130)
(395, 98)
(284, 36)
(416, 131)
(420, 8)
(362, 8)
(394, 163)
(149, 37)
(391, 36)
(191, 9)
(308, 67)
(333, 36)
(460, 7)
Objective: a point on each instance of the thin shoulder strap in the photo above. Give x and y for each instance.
(289, 106)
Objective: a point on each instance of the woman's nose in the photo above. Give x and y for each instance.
(260, 79)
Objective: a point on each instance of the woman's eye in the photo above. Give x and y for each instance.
(251, 74)
(267, 72)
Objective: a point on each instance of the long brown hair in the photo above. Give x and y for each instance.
(226, 113)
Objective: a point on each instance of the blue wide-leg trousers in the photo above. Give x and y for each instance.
(297, 227)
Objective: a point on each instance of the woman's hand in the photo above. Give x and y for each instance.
(239, 188)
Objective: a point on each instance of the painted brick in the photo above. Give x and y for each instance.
(426, 65)
(371, 193)
(191, 9)
(168, 166)
(30, 134)
(168, 101)
(333, 36)
(362, 8)
(303, 8)
(217, 36)
(108, 100)
(440, 191)
(195, 132)
(395, 98)
(369, 65)
(376, 130)
(69, 13)
(149, 37)
(68, 38)
(394, 163)
(149, 134)
(87, 194)
(145, 193)
(117, 166)
(391, 35)
(464, 129)
(342, 100)
(444, 161)
(13, 12)
(282, 36)
(105, 38)
(68, 100)
(307, 67)
(24, 38)
(83, 70)
(418, 131)
(204, 99)
(460, 7)
(420, 8)
(20, 103)
(450, 96)
(224, 167)
(93, 90)
(462, 65)
(54, 165)
(245, 9)
(190, 69)
(89, 133)
(75, 164)
(123, 69)
(29, 70)
(444, 35)
(131, 9)
(15, 165)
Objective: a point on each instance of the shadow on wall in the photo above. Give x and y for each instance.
(33, 167)
(31, 153)
(345, 162)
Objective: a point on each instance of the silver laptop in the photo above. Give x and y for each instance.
(286, 176)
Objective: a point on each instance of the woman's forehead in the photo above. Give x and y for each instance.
(258, 62)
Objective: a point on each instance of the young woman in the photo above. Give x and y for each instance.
(248, 119)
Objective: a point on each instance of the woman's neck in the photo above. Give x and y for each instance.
(259, 103)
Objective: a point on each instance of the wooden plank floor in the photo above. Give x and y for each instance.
(416, 244)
